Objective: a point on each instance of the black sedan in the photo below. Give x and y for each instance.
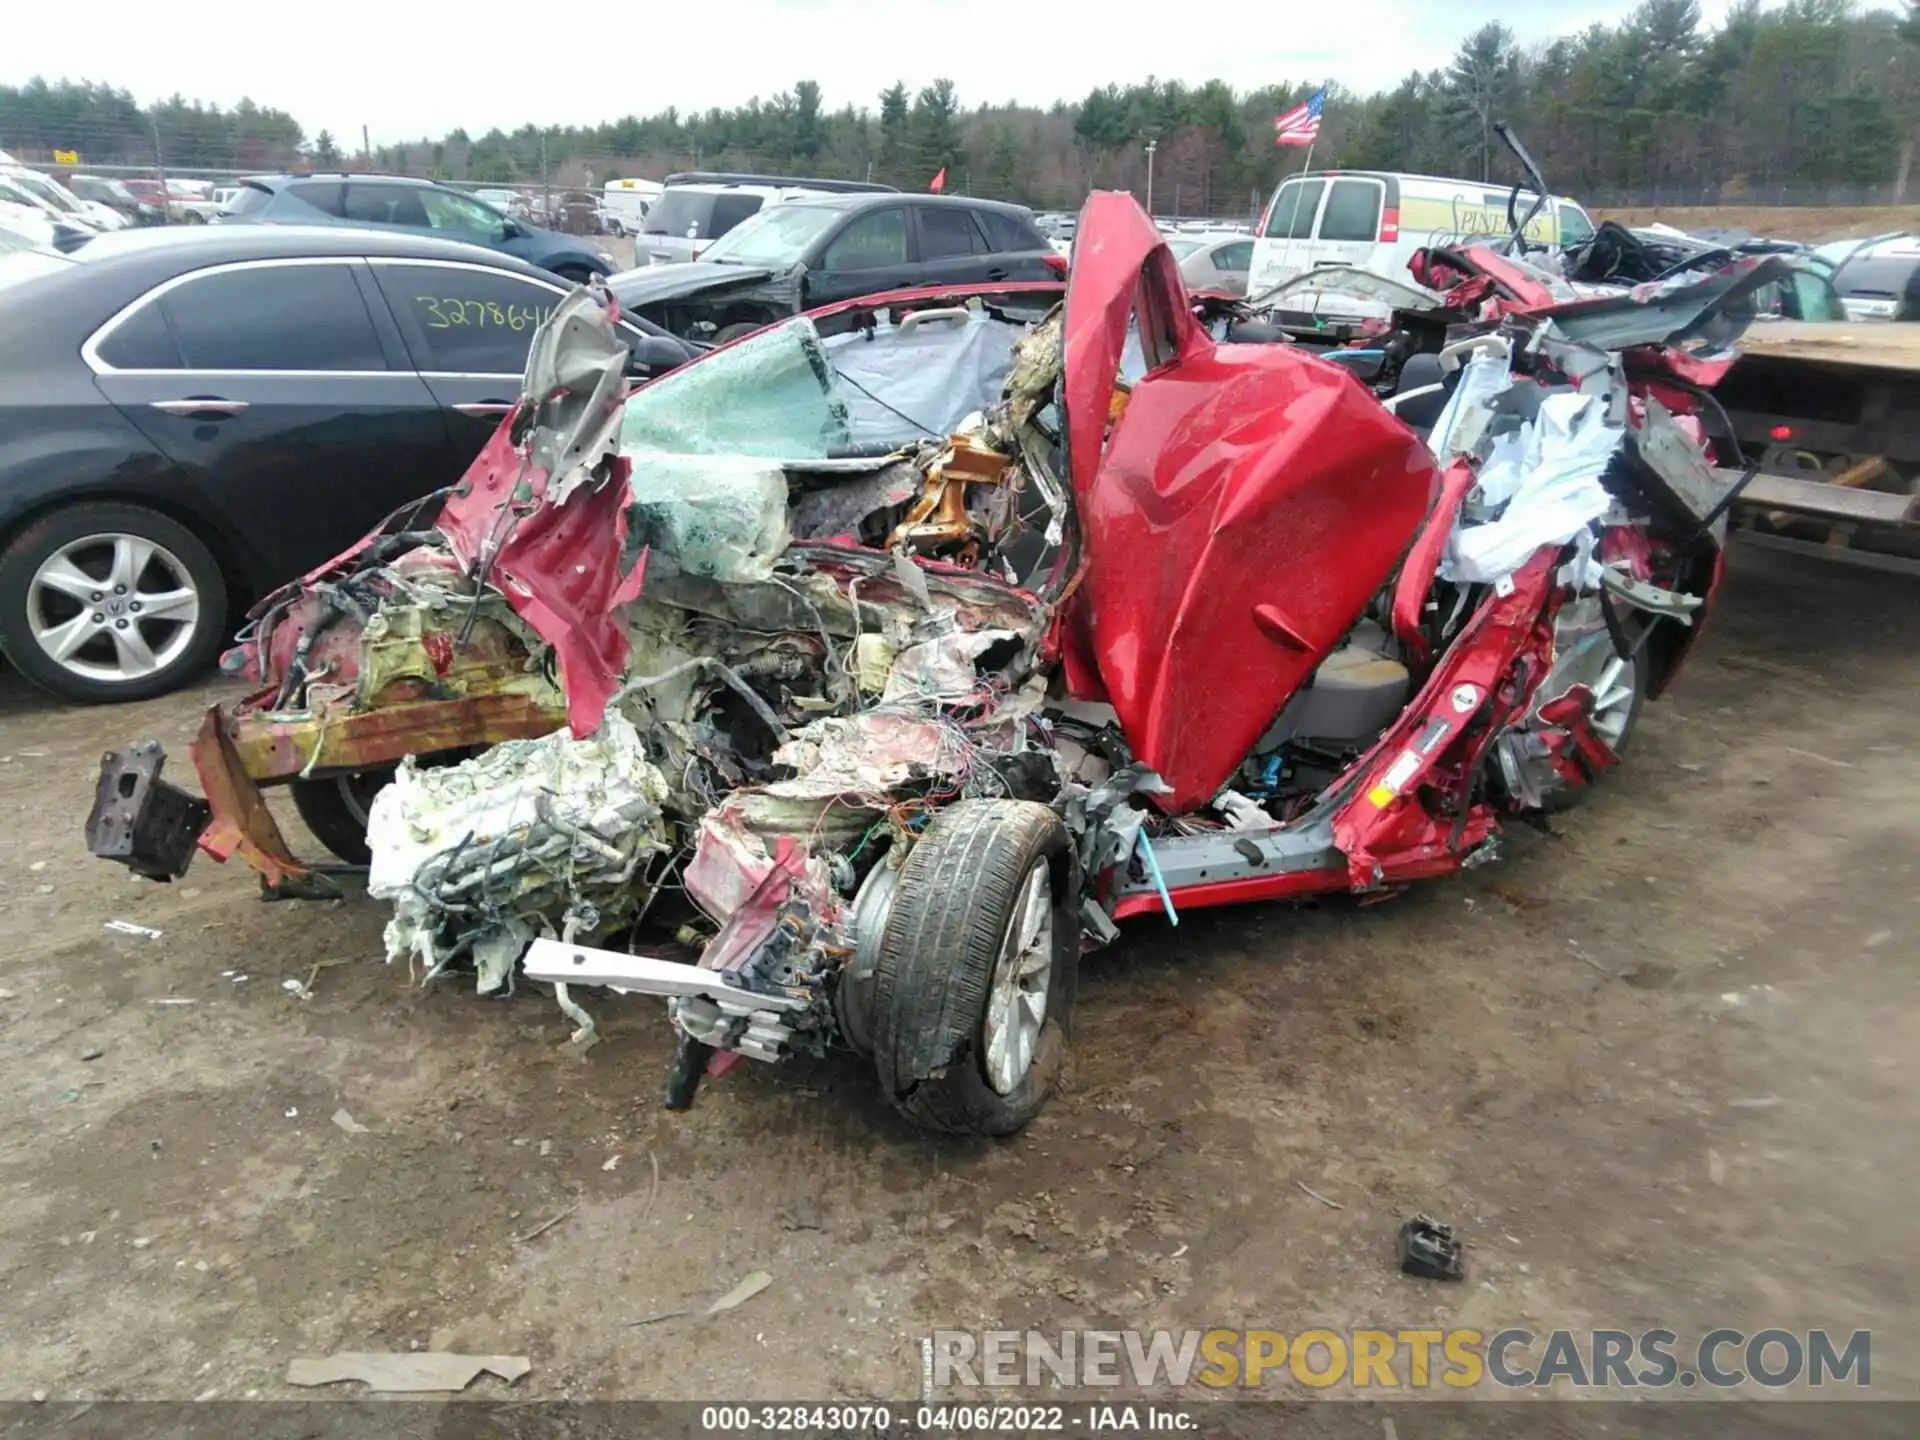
(189, 417)
(807, 253)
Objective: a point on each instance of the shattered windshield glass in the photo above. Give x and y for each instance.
(770, 395)
(790, 394)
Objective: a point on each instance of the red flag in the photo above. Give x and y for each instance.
(939, 181)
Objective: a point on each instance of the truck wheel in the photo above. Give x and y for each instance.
(975, 976)
(335, 807)
(730, 333)
(104, 602)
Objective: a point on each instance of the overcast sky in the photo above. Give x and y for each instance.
(404, 69)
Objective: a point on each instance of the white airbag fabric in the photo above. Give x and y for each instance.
(1548, 476)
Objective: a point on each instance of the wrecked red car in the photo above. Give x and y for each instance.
(861, 675)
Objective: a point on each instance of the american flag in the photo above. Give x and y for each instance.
(1301, 125)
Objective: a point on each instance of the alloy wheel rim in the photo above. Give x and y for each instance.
(112, 607)
(1022, 977)
(1613, 695)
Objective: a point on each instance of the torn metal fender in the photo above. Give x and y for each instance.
(1415, 581)
(544, 522)
(1584, 756)
(1672, 312)
(659, 284)
(1382, 826)
(241, 822)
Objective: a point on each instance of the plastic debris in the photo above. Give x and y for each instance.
(296, 989)
(1428, 1249)
(420, 1372)
(741, 1293)
(127, 927)
(347, 1123)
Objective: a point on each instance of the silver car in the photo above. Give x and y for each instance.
(1213, 262)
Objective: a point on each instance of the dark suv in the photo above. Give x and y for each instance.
(397, 202)
(801, 254)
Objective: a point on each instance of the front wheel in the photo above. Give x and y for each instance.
(974, 980)
(102, 602)
(1619, 686)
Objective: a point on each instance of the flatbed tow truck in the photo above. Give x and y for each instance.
(1831, 410)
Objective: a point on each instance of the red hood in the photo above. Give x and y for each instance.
(1248, 503)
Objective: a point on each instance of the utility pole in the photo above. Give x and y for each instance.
(160, 171)
(1151, 146)
(546, 188)
(366, 149)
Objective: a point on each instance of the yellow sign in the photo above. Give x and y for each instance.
(66, 157)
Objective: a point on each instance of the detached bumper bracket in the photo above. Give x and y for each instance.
(145, 823)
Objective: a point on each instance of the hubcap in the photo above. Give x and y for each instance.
(112, 607)
(1017, 1003)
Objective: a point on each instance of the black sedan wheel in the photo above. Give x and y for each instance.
(104, 602)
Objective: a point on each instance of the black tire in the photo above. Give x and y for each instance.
(334, 808)
(32, 547)
(729, 333)
(932, 981)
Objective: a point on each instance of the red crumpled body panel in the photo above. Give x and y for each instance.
(558, 566)
(1249, 502)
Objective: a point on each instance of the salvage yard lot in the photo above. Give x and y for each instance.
(1658, 1070)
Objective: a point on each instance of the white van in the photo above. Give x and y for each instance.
(627, 201)
(1375, 220)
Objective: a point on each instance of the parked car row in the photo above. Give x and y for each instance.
(37, 208)
(401, 204)
(800, 252)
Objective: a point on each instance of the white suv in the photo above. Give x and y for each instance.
(697, 207)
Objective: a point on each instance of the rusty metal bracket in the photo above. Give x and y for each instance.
(243, 825)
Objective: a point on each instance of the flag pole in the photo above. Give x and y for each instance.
(1307, 166)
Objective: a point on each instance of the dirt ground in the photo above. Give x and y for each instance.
(1812, 223)
(1659, 1070)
